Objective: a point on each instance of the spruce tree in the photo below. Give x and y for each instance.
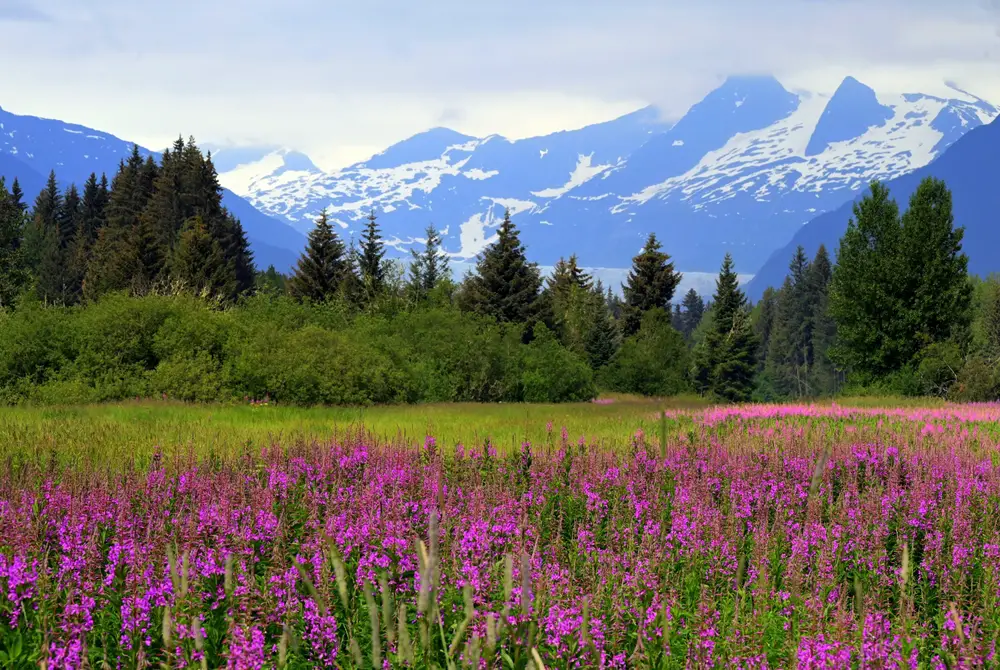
(766, 311)
(92, 209)
(17, 196)
(505, 285)
(822, 372)
(789, 351)
(726, 360)
(371, 261)
(937, 289)
(867, 299)
(198, 262)
(650, 285)
(693, 309)
(44, 220)
(322, 269)
(13, 273)
(602, 339)
(430, 267)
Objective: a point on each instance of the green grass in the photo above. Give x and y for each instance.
(128, 430)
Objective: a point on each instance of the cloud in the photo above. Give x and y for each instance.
(337, 78)
(14, 10)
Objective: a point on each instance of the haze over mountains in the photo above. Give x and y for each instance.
(741, 172)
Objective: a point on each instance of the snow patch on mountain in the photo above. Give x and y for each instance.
(582, 173)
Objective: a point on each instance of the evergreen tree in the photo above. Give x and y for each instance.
(789, 354)
(114, 261)
(44, 219)
(92, 209)
(429, 268)
(198, 262)
(13, 273)
(271, 281)
(937, 289)
(602, 339)
(17, 196)
(726, 359)
(505, 285)
(693, 309)
(371, 260)
(872, 290)
(766, 311)
(822, 372)
(322, 268)
(651, 284)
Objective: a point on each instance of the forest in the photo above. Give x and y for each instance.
(146, 287)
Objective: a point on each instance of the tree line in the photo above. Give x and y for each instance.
(895, 311)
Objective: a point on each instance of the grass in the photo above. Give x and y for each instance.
(135, 429)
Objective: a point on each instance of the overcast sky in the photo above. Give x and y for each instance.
(341, 80)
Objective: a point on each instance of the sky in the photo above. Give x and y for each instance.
(342, 80)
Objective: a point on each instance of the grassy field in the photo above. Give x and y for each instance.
(123, 431)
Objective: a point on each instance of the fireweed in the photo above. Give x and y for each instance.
(753, 537)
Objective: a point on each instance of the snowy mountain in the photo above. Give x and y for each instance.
(742, 171)
(31, 147)
(969, 167)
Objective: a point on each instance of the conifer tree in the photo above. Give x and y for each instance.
(323, 267)
(430, 267)
(693, 309)
(114, 260)
(13, 273)
(92, 209)
(937, 289)
(44, 220)
(198, 262)
(371, 259)
(765, 313)
(789, 355)
(726, 360)
(866, 292)
(602, 339)
(650, 285)
(17, 195)
(823, 374)
(505, 285)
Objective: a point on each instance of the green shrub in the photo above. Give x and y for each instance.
(553, 373)
(653, 362)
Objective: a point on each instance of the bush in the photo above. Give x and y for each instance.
(653, 362)
(552, 373)
(977, 382)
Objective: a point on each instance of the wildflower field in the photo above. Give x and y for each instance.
(736, 537)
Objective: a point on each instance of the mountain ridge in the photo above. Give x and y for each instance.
(741, 172)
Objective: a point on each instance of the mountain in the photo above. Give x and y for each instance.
(969, 168)
(30, 147)
(742, 171)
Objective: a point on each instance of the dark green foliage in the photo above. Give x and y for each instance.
(271, 281)
(937, 292)
(271, 346)
(371, 260)
(323, 267)
(505, 285)
(18, 195)
(429, 268)
(551, 372)
(653, 362)
(602, 340)
(725, 361)
(198, 262)
(689, 313)
(900, 284)
(650, 285)
(13, 270)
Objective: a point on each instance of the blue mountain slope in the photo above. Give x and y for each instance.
(75, 151)
(30, 181)
(969, 168)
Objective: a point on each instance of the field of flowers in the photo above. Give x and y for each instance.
(743, 537)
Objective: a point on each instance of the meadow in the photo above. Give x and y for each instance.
(625, 533)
